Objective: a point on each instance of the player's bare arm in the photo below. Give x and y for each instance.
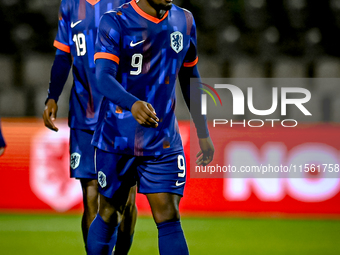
(2, 143)
(50, 114)
(145, 114)
(206, 154)
(2, 150)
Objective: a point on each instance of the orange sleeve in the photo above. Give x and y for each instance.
(62, 46)
(191, 64)
(105, 55)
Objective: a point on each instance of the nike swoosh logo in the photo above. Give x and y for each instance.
(179, 183)
(74, 24)
(134, 44)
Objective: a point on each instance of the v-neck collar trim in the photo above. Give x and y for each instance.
(147, 16)
(93, 2)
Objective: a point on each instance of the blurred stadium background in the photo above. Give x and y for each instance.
(40, 211)
(236, 38)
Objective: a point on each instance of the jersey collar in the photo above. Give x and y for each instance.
(93, 2)
(145, 15)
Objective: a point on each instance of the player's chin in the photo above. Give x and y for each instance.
(167, 5)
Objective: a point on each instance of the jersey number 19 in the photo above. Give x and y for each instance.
(79, 40)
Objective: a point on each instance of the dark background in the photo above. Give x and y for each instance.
(236, 38)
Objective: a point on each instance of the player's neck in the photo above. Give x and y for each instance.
(147, 8)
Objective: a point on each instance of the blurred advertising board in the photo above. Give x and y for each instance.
(284, 171)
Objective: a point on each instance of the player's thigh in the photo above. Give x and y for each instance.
(131, 202)
(82, 154)
(162, 174)
(129, 219)
(116, 176)
(90, 193)
(164, 206)
(162, 179)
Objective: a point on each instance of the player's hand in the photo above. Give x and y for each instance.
(2, 150)
(206, 154)
(50, 114)
(145, 114)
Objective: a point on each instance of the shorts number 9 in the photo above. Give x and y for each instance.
(181, 165)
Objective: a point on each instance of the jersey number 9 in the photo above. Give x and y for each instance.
(181, 165)
(137, 62)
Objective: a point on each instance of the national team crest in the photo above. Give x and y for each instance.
(102, 179)
(75, 160)
(50, 170)
(176, 41)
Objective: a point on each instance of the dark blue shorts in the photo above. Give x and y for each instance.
(82, 154)
(153, 174)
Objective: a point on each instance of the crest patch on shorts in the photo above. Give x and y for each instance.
(75, 160)
(102, 179)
